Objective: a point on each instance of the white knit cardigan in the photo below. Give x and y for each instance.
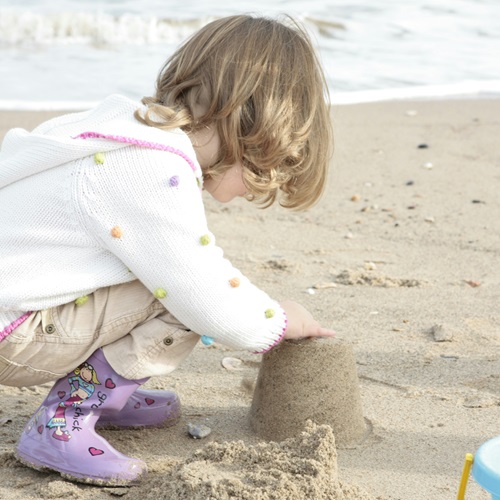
(94, 199)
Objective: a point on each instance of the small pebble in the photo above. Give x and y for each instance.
(428, 165)
(370, 266)
(410, 183)
(355, 197)
(430, 219)
(198, 431)
(311, 291)
(423, 146)
(442, 333)
(411, 112)
(349, 236)
(478, 201)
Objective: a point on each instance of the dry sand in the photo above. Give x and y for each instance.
(405, 239)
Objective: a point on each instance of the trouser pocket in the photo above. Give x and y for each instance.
(152, 349)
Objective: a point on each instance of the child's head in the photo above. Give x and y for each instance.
(260, 84)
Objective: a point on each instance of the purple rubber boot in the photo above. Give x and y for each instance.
(144, 409)
(61, 437)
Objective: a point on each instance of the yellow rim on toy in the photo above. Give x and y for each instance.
(469, 458)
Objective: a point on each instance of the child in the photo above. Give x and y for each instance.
(109, 274)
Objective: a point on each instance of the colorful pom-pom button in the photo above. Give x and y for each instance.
(99, 158)
(160, 293)
(206, 340)
(269, 313)
(82, 300)
(205, 239)
(117, 232)
(174, 181)
(235, 282)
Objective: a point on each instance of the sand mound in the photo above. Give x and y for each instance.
(298, 468)
(370, 278)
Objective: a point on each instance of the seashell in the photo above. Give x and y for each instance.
(473, 283)
(321, 286)
(232, 364)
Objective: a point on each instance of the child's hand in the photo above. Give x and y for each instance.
(301, 323)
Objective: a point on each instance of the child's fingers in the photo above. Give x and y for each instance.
(320, 332)
(326, 332)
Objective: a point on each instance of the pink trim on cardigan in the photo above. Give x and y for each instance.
(276, 342)
(10, 328)
(138, 142)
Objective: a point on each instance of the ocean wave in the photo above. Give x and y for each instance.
(465, 90)
(470, 89)
(25, 28)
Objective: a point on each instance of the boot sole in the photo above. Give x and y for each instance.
(75, 477)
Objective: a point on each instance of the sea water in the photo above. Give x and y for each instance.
(69, 53)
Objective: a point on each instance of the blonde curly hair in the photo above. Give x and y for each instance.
(264, 92)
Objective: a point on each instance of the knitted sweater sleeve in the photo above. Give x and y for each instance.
(145, 208)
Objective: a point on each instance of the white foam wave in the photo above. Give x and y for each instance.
(24, 28)
(466, 90)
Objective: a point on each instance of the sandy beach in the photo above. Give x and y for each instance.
(402, 258)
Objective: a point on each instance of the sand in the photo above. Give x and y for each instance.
(401, 257)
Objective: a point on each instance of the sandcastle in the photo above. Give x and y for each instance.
(308, 379)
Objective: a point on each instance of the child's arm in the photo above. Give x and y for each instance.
(163, 239)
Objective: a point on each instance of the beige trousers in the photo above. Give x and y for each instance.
(139, 337)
